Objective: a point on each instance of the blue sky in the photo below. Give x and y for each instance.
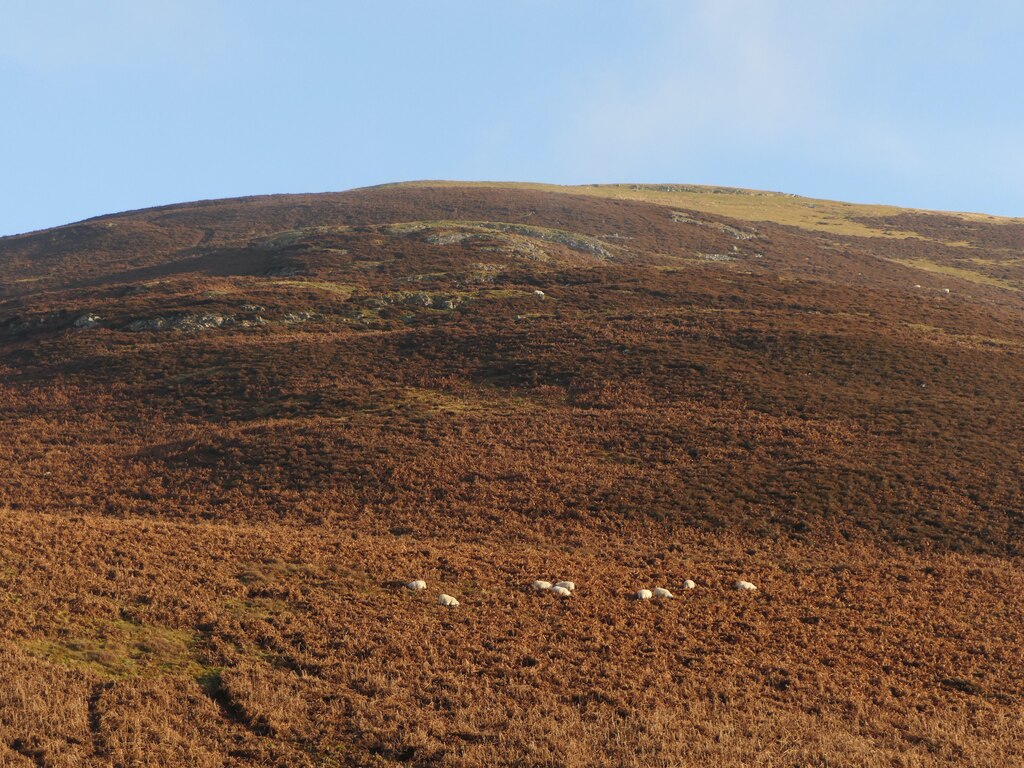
(107, 105)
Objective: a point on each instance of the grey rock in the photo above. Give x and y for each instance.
(293, 318)
(447, 238)
(418, 299)
(87, 321)
(188, 322)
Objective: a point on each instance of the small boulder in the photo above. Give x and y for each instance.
(87, 321)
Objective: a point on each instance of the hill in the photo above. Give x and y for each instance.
(231, 429)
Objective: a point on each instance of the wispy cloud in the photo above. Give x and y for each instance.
(719, 68)
(732, 79)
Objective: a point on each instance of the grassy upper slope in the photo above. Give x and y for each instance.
(744, 204)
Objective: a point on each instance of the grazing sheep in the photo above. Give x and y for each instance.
(661, 592)
(560, 591)
(540, 586)
(539, 293)
(689, 584)
(644, 594)
(448, 601)
(745, 586)
(416, 585)
(566, 585)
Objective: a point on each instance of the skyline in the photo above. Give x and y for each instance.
(120, 105)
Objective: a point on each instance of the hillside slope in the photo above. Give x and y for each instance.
(231, 429)
(385, 349)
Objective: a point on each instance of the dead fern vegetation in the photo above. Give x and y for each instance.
(231, 430)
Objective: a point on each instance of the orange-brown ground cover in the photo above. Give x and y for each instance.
(204, 531)
(134, 642)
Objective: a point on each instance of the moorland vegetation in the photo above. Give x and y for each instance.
(232, 431)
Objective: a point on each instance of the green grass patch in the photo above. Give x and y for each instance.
(964, 274)
(966, 339)
(433, 400)
(256, 607)
(120, 649)
(744, 204)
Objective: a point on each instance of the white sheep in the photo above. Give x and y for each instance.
(539, 293)
(416, 585)
(566, 585)
(663, 593)
(540, 586)
(560, 591)
(745, 586)
(644, 594)
(448, 601)
(689, 584)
